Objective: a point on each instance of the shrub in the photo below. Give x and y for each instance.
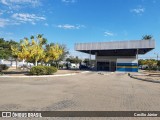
(50, 70)
(3, 67)
(42, 70)
(38, 70)
(154, 68)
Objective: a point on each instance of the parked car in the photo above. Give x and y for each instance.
(73, 66)
(143, 67)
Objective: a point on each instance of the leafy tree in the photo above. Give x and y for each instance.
(86, 61)
(30, 51)
(5, 48)
(62, 56)
(37, 50)
(141, 62)
(53, 52)
(151, 63)
(75, 60)
(147, 37)
(21, 51)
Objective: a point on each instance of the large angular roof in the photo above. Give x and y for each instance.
(125, 48)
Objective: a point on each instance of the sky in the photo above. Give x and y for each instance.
(79, 21)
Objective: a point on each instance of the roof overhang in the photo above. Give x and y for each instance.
(118, 48)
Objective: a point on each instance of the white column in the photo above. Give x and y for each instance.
(96, 60)
(90, 58)
(1, 61)
(137, 58)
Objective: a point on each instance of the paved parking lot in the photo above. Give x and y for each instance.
(82, 92)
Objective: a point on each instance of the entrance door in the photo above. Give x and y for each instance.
(106, 66)
(103, 66)
(113, 66)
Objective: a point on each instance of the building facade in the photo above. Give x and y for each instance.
(116, 56)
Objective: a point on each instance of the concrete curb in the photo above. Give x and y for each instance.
(42, 76)
(154, 81)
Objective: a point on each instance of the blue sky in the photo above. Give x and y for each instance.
(71, 21)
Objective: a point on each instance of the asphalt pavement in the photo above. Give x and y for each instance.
(91, 91)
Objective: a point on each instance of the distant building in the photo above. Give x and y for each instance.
(116, 56)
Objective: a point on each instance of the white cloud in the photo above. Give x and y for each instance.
(1, 12)
(138, 10)
(69, 1)
(68, 26)
(19, 18)
(16, 4)
(4, 2)
(3, 22)
(108, 33)
(25, 17)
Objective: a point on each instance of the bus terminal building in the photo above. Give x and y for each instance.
(116, 56)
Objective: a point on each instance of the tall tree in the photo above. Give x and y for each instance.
(86, 61)
(53, 52)
(147, 37)
(75, 60)
(30, 51)
(21, 51)
(36, 48)
(62, 56)
(5, 48)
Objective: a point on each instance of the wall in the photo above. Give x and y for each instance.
(127, 65)
(123, 63)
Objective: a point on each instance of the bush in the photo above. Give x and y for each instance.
(38, 70)
(154, 68)
(3, 67)
(59, 66)
(43, 70)
(50, 70)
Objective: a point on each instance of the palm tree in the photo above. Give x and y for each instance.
(147, 37)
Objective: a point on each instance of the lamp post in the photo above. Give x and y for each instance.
(157, 59)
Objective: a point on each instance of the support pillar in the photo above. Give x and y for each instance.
(137, 59)
(96, 61)
(90, 58)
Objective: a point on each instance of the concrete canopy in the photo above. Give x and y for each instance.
(118, 48)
